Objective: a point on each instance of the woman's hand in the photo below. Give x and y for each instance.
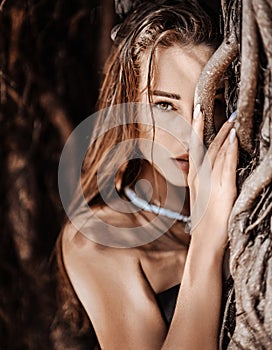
(212, 183)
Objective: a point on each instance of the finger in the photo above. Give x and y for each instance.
(231, 160)
(219, 140)
(218, 164)
(196, 146)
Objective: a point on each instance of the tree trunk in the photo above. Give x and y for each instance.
(246, 58)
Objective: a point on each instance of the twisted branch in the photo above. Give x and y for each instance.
(263, 173)
(253, 185)
(208, 82)
(268, 309)
(251, 329)
(248, 83)
(251, 246)
(263, 13)
(260, 218)
(250, 223)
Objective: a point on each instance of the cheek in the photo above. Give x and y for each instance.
(164, 139)
(163, 146)
(149, 144)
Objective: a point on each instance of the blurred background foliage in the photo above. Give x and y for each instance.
(52, 54)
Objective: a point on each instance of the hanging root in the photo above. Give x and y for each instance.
(261, 217)
(268, 302)
(248, 83)
(262, 175)
(251, 331)
(209, 79)
(263, 13)
(253, 185)
(250, 222)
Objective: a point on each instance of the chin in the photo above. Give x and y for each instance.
(181, 182)
(172, 176)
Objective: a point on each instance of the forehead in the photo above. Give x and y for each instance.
(175, 66)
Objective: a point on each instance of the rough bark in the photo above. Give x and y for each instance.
(209, 81)
(250, 82)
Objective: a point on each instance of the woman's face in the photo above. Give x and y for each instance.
(177, 70)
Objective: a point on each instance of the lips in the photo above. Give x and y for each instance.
(182, 162)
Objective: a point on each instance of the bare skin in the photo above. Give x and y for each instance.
(117, 287)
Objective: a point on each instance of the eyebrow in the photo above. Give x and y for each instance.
(166, 94)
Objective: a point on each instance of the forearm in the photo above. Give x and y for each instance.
(196, 319)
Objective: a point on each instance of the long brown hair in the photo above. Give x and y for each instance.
(148, 27)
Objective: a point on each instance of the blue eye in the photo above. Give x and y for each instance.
(164, 106)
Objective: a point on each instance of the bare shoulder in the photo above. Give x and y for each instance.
(80, 249)
(94, 270)
(112, 289)
(97, 236)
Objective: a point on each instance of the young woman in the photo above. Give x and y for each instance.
(144, 282)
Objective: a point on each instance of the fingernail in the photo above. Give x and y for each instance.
(232, 117)
(236, 125)
(232, 135)
(196, 111)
